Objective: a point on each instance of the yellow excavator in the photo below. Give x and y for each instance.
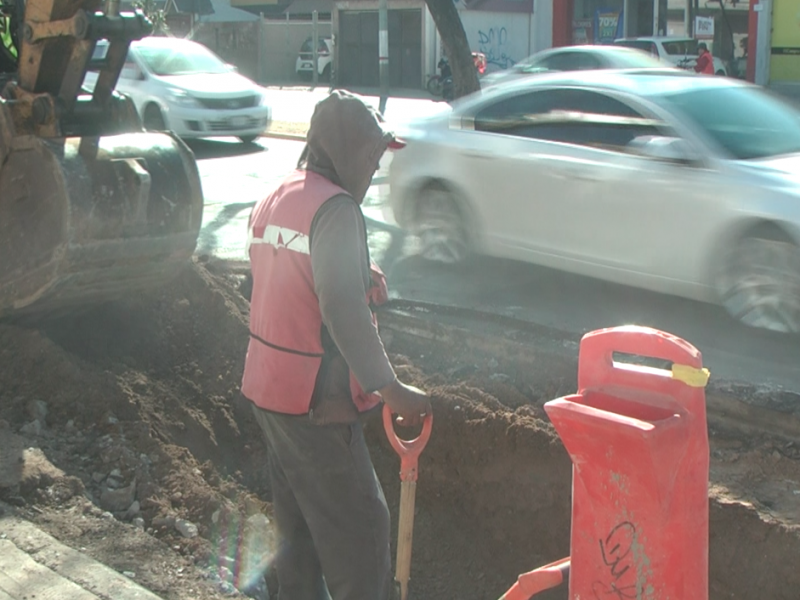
(92, 207)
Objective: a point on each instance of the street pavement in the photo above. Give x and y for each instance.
(235, 176)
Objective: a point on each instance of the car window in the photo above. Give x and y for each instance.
(570, 116)
(680, 47)
(570, 61)
(130, 70)
(180, 59)
(744, 121)
(306, 48)
(643, 45)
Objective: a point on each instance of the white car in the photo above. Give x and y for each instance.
(680, 51)
(305, 60)
(660, 180)
(577, 58)
(182, 86)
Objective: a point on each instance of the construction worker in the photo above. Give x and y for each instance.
(705, 61)
(315, 360)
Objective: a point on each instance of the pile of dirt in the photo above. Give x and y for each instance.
(124, 434)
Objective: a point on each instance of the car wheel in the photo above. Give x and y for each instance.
(326, 73)
(440, 226)
(153, 119)
(435, 86)
(760, 283)
(248, 139)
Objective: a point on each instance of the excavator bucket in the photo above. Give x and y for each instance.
(92, 208)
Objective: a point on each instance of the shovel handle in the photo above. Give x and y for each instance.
(407, 450)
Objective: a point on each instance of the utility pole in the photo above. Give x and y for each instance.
(383, 52)
(315, 45)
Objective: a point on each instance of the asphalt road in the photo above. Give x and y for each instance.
(235, 176)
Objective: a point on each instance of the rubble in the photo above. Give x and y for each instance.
(143, 408)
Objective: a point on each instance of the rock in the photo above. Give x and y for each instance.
(32, 428)
(133, 510)
(138, 522)
(186, 528)
(227, 588)
(168, 521)
(98, 477)
(116, 473)
(70, 426)
(118, 500)
(493, 364)
(500, 377)
(129, 574)
(37, 409)
(776, 456)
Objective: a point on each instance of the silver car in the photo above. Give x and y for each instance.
(577, 58)
(656, 179)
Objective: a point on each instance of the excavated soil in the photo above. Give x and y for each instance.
(122, 434)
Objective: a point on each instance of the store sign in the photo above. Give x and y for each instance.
(582, 31)
(704, 28)
(607, 26)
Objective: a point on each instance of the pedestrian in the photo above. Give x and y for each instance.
(705, 61)
(316, 364)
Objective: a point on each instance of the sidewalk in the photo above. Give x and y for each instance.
(34, 564)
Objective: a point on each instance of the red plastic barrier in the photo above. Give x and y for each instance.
(638, 441)
(544, 578)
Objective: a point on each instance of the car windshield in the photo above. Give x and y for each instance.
(680, 47)
(749, 124)
(183, 59)
(636, 60)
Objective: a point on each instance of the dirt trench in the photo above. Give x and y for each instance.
(142, 436)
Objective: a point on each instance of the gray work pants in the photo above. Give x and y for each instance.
(330, 511)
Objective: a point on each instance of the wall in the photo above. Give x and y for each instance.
(235, 43)
(280, 45)
(503, 37)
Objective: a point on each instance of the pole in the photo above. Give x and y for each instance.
(625, 17)
(315, 45)
(656, 10)
(687, 19)
(383, 52)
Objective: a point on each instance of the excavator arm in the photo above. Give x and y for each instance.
(92, 208)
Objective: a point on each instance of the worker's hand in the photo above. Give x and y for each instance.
(410, 403)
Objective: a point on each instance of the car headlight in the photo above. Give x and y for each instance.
(182, 98)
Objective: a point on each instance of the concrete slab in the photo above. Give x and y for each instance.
(21, 578)
(30, 556)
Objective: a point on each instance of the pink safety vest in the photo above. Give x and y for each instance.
(285, 350)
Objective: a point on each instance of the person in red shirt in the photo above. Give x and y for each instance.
(705, 61)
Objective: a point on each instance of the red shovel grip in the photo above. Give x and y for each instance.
(407, 450)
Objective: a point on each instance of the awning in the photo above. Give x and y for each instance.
(306, 7)
(225, 13)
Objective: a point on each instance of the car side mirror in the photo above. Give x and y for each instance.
(665, 148)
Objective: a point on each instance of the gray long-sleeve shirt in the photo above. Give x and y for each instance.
(342, 278)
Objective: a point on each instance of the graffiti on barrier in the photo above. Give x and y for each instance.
(494, 44)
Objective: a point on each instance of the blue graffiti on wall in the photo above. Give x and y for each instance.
(494, 44)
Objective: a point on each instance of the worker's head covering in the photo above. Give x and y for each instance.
(702, 46)
(345, 142)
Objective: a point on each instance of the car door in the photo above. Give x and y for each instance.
(131, 81)
(516, 176)
(620, 211)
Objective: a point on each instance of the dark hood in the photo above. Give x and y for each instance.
(345, 142)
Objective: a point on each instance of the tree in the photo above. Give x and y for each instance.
(156, 15)
(448, 22)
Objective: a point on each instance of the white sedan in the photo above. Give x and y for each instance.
(659, 180)
(182, 86)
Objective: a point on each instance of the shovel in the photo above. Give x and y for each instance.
(409, 451)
